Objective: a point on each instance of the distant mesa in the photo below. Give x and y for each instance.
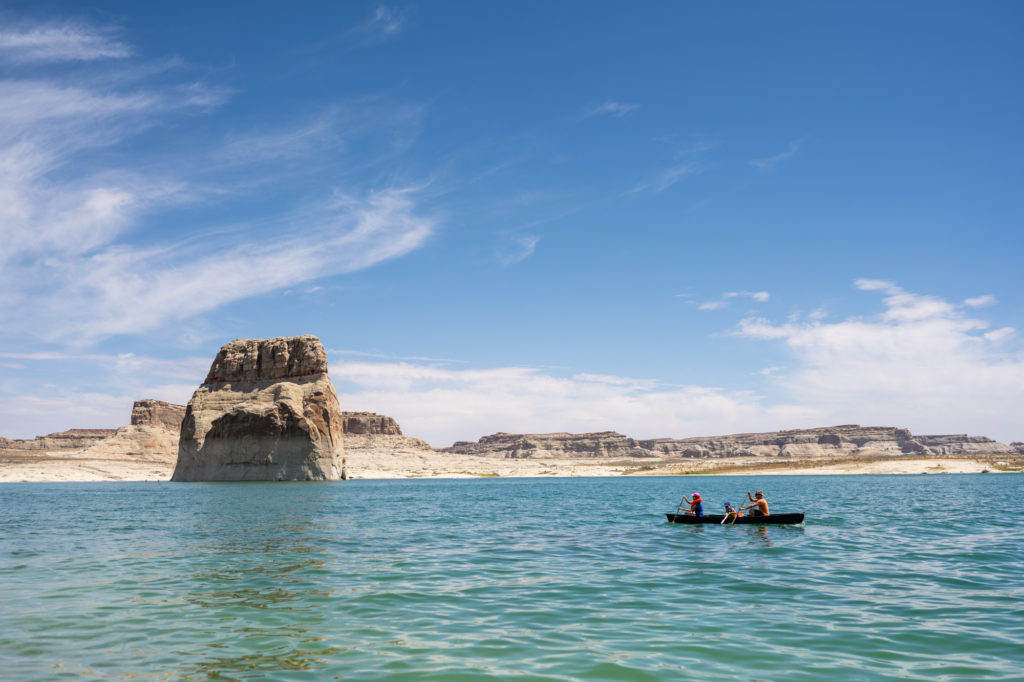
(370, 424)
(848, 440)
(267, 411)
(64, 440)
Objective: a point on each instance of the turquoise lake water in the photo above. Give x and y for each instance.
(891, 577)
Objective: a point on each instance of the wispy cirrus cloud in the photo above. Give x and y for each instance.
(385, 23)
(75, 266)
(980, 301)
(668, 177)
(759, 296)
(756, 296)
(284, 143)
(770, 162)
(518, 248)
(610, 107)
(127, 290)
(683, 155)
(55, 42)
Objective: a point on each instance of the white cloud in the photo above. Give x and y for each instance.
(121, 363)
(770, 162)
(124, 290)
(920, 363)
(980, 301)
(72, 267)
(611, 108)
(281, 144)
(45, 396)
(59, 42)
(875, 285)
(759, 296)
(997, 335)
(443, 405)
(48, 208)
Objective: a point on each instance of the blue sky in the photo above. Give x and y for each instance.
(666, 219)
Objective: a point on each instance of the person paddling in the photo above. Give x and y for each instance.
(696, 508)
(759, 502)
(730, 514)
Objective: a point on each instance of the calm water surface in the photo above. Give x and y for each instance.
(892, 577)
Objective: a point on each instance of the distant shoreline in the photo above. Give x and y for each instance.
(76, 467)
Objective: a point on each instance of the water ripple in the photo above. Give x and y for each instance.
(549, 579)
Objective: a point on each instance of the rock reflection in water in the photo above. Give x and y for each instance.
(251, 594)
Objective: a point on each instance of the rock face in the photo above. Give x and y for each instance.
(374, 446)
(267, 411)
(369, 423)
(957, 444)
(846, 440)
(73, 439)
(152, 435)
(157, 413)
(553, 446)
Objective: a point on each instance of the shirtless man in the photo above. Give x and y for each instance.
(759, 502)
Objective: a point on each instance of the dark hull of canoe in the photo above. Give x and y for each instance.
(774, 519)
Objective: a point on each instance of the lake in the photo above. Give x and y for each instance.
(891, 577)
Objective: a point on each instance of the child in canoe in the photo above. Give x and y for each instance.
(696, 508)
(731, 514)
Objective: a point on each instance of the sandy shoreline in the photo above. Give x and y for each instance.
(384, 463)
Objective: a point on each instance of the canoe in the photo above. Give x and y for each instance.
(773, 519)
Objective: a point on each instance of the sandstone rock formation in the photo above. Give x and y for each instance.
(152, 435)
(369, 423)
(157, 413)
(267, 411)
(835, 441)
(553, 446)
(72, 439)
(962, 444)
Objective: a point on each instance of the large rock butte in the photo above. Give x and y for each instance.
(267, 411)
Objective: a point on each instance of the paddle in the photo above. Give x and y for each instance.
(680, 507)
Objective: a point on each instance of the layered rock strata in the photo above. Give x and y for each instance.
(72, 439)
(267, 411)
(157, 413)
(835, 441)
(152, 435)
(553, 446)
(370, 424)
